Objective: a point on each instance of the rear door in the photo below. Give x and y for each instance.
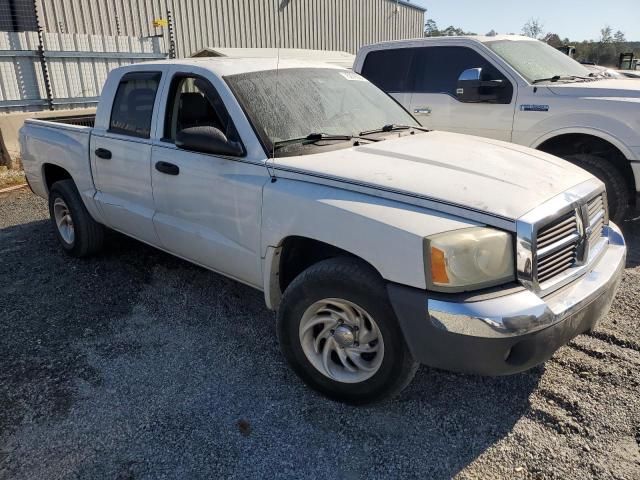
(434, 101)
(121, 157)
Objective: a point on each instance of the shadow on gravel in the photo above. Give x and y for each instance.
(137, 364)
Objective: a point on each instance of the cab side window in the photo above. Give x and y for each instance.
(132, 109)
(193, 102)
(390, 70)
(437, 70)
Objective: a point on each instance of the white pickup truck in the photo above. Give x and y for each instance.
(380, 244)
(519, 90)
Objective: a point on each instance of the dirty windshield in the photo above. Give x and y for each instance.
(313, 103)
(537, 61)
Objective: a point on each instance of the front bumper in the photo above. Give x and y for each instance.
(504, 333)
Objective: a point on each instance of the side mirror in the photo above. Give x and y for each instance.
(473, 89)
(208, 140)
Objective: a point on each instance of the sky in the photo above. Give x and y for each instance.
(576, 19)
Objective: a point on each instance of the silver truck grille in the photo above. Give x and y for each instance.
(570, 240)
(597, 218)
(557, 246)
(559, 240)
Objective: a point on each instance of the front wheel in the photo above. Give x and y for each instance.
(339, 333)
(618, 196)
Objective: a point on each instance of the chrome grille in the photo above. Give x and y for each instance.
(557, 247)
(597, 214)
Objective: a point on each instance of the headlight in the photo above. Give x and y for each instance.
(469, 259)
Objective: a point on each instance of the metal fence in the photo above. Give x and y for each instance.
(57, 71)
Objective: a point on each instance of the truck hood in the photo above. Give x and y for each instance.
(489, 176)
(626, 88)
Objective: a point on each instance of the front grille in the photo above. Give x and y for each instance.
(597, 219)
(557, 247)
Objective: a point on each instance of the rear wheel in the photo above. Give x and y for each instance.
(340, 335)
(618, 194)
(78, 233)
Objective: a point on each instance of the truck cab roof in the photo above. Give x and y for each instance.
(445, 40)
(224, 66)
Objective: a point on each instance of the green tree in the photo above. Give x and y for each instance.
(553, 39)
(431, 28)
(619, 37)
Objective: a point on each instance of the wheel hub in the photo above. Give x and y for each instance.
(341, 340)
(64, 220)
(344, 336)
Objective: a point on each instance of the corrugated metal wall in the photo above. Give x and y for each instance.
(316, 24)
(77, 65)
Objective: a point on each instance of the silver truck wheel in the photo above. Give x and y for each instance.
(341, 340)
(64, 220)
(78, 233)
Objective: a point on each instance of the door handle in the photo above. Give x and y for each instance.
(422, 111)
(103, 153)
(168, 168)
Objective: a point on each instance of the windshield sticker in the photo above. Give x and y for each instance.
(352, 76)
(534, 108)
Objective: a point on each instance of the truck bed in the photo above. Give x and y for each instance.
(80, 120)
(60, 141)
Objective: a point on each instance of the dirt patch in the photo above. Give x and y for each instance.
(9, 178)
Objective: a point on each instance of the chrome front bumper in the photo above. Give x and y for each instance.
(524, 312)
(507, 332)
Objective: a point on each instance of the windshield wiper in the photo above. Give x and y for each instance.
(317, 137)
(311, 138)
(557, 78)
(391, 128)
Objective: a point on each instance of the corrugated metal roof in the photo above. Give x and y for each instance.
(342, 59)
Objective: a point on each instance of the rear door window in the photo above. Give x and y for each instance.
(390, 70)
(132, 109)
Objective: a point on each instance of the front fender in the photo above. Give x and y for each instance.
(617, 131)
(387, 234)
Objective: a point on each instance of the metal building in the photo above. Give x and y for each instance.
(314, 24)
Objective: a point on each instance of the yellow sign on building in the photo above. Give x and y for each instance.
(160, 22)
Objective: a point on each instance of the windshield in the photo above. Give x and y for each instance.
(537, 60)
(294, 103)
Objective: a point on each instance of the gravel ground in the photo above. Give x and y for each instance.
(138, 365)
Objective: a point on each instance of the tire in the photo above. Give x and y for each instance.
(618, 195)
(78, 233)
(355, 286)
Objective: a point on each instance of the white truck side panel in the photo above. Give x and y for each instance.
(66, 146)
(387, 234)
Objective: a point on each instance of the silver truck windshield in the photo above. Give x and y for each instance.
(537, 61)
(312, 103)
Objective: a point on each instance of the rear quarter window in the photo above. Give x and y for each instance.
(132, 109)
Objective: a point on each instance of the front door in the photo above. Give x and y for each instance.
(207, 206)
(121, 158)
(435, 103)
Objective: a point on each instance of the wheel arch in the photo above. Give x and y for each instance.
(293, 255)
(587, 141)
(52, 173)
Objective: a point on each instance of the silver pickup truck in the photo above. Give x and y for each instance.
(381, 245)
